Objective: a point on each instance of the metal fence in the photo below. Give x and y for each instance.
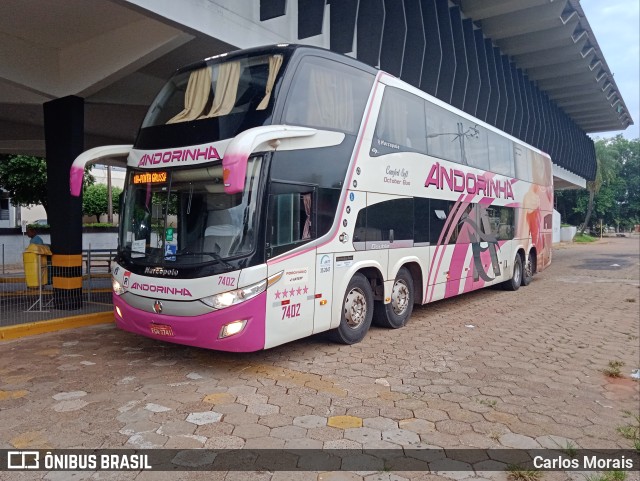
(27, 294)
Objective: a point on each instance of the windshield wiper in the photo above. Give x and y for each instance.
(215, 255)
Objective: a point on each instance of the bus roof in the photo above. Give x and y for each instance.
(285, 48)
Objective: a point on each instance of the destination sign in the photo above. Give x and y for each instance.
(150, 177)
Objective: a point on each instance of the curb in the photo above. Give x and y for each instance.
(41, 327)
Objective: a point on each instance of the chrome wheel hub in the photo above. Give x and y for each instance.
(355, 308)
(517, 274)
(400, 297)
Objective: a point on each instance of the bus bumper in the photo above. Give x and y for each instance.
(199, 331)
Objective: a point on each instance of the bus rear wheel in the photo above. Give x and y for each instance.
(395, 314)
(357, 311)
(513, 284)
(528, 270)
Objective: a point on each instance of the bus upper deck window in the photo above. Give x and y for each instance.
(328, 95)
(216, 90)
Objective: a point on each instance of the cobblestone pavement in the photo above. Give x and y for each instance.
(489, 369)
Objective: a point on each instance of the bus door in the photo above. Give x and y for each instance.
(290, 225)
(325, 267)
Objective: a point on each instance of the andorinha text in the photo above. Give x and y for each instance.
(456, 180)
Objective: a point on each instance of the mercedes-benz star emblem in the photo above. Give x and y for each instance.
(157, 307)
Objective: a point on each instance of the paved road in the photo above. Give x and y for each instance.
(489, 369)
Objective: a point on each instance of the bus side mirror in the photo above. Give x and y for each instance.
(234, 162)
(109, 155)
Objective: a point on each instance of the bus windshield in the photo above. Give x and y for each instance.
(237, 86)
(183, 216)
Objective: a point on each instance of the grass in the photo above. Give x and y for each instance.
(584, 238)
(631, 430)
(608, 476)
(613, 369)
(518, 473)
(487, 402)
(570, 450)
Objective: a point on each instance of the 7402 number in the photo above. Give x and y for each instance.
(291, 310)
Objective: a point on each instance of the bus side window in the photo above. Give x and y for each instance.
(438, 213)
(461, 233)
(291, 221)
(401, 123)
(385, 222)
(498, 222)
(501, 155)
(447, 222)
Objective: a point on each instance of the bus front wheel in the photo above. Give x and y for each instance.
(513, 284)
(395, 314)
(357, 311)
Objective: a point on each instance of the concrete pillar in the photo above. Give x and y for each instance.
(64, 141)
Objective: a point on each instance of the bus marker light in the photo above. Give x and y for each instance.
(318, 296)
(119, 311)
(323, 302)
(387, 300)
(232, 328)
(274, 278)
(284, 303)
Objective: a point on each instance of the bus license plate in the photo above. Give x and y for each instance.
(161, 329)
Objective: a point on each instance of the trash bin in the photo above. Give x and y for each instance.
(34, 256)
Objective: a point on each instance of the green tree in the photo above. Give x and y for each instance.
(614, 195)
(606, 172)
(95, 200)
(628, 193)
(25, 179)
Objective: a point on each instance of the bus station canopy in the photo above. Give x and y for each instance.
(116, 54)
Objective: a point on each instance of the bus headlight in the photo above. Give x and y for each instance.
(231, 298)
(118, 288)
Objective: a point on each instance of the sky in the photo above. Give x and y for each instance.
(616, 25)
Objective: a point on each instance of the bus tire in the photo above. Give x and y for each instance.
(396, 314)
(513, 284)
(528, 270)
(357, 311)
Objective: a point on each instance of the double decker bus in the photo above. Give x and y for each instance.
(278, 192)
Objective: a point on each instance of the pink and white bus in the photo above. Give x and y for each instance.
(278, 192)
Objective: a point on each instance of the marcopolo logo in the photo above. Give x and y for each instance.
(161, 271)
